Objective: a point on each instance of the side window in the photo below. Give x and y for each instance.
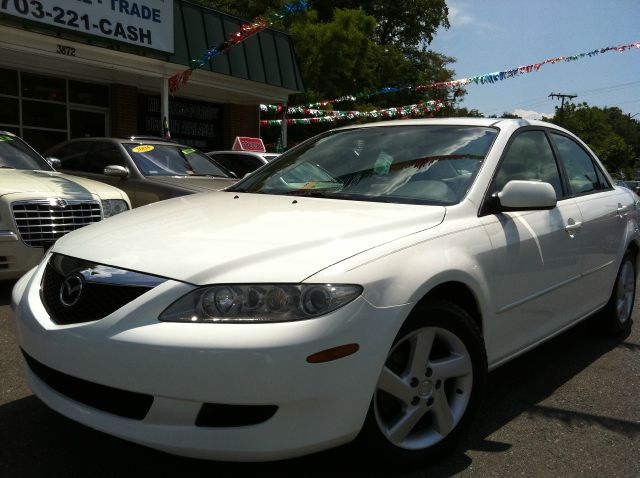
(102, 155)
(237, 163)
(529, 158)
(72, 155)
(583, 175)
(225, 161)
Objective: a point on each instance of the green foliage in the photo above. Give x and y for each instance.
(343, 64)
(405, 24)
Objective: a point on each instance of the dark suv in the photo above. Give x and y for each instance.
(149, 170)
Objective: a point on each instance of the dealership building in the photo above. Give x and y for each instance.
(72, 68)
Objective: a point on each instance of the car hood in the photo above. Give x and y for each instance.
(196, 184)
(227, 237)
(51, 183)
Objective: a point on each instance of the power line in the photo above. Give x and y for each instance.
(590, 92)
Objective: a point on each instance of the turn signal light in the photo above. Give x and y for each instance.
(334, 353)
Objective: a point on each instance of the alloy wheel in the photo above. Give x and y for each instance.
(625, 291)
(424, 388)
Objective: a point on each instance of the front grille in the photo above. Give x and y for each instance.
(108, 399)
(42, 222)
(4, 262)
(104, 289)
(217, 415)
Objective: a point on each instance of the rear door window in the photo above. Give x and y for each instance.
(102, 155)
(583, 174)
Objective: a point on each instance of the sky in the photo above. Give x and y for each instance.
(495, 35)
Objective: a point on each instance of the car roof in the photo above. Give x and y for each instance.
(131, 139)
(251, 153)
(487, 122)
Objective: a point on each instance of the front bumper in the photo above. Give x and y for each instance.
(183, 366)
(16, 257)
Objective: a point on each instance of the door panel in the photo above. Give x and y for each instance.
(604, 225)
(603, 210)
(536, 280)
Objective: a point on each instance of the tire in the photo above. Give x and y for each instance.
(430, 388)
(615, 318)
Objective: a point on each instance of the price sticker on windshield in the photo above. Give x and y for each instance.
(188, 151)
(143, 148)
(6, 138)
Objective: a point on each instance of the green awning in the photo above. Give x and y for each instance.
(267, 57)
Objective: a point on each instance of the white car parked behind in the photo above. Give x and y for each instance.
(362, 284)
(39, 205)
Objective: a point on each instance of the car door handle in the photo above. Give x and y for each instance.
(573, 227)
(621, 210)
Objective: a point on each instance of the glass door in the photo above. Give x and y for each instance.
(87, 123)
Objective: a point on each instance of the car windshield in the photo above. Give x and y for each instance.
(173, 160)
(16, 154)
(417, 164)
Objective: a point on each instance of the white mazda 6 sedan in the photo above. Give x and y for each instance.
(359, 286)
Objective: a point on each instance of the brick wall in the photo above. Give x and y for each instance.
(240, 120)
(124, 110)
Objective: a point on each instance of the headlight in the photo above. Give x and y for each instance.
(111, 207)
(260, 303)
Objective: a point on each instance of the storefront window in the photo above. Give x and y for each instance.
(50, 116)
(8, 82)
(43, 87)
(88, 93)
(87, 123)
(9, 111)
(45, 115)
(42, 140)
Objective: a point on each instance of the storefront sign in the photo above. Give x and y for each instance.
(147, 23)
(242, 143)
(194, 123)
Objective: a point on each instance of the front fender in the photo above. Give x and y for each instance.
(404, 271)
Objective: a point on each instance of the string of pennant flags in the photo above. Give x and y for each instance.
(247, 30)
(484, 79)
(332, 116)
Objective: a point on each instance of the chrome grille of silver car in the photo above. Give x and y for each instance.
(42, 222)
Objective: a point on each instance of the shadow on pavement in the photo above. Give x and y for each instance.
(38, 442)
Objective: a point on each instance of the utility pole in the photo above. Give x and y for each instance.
(562, 96)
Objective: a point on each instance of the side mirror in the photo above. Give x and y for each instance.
(54, 162)
(115, 171)
(526, 195)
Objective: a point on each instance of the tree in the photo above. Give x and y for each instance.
(409, 25)
(350, 47)
(335, 56)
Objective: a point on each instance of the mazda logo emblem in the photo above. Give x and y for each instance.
(71, 290)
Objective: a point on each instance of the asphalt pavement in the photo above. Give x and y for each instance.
(569, 408)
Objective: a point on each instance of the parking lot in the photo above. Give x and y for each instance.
(568, 408)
